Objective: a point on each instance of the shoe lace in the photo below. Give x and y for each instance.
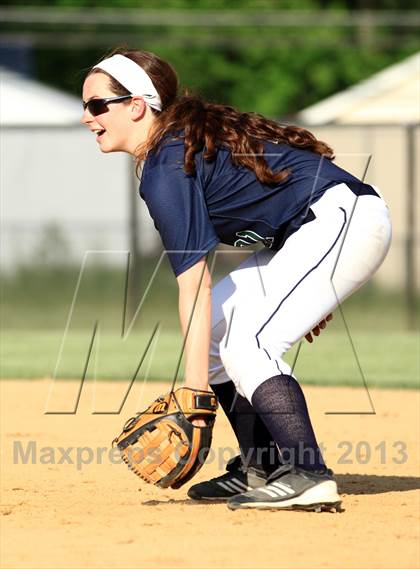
(285, 468)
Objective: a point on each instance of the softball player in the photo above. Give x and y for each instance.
(214, 175)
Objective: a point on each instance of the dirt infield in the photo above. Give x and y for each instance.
(77, 509)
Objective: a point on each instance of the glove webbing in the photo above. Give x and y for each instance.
(159, 465)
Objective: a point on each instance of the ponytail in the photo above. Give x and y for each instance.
(206, 126)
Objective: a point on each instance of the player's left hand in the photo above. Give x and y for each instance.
(317, 330)
(160, 444)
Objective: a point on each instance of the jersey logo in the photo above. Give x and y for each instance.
(249, 237)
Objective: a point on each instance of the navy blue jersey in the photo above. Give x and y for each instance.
(226, 203)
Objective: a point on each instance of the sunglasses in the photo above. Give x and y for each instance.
(99, 106)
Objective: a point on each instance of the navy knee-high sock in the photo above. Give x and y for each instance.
(280, 403)
(257, 446)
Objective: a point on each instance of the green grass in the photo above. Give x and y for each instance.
(36, 303)
(386, 359)
(36, 298)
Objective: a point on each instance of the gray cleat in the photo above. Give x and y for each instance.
(292, 488)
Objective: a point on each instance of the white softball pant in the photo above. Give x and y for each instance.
(274, 298)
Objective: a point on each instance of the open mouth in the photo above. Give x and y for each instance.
(99, 133)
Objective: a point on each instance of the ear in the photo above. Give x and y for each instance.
(138, 108)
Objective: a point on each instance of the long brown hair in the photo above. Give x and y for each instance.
(207, 125)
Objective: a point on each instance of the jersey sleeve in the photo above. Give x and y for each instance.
(177, 206)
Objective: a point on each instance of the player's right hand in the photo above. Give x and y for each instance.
(317, 330)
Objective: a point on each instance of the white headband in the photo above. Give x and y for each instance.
(132, 77)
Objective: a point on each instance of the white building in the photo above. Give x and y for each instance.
(375, 123)
(391, 96)
(60, 196)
